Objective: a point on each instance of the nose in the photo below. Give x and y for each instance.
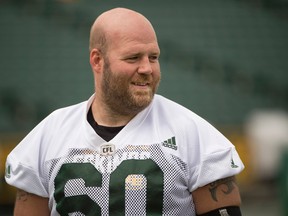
(145, 66)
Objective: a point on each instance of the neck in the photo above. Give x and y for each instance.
(104, 116)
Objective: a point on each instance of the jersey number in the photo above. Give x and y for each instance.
(93, 178)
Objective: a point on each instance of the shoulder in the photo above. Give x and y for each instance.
(69, 110)
(60, 121)
(160, 100)
(188, 125)
(175, 112)
(66, 115)
(49, 131)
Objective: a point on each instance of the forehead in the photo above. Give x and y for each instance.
(131, 32)
(133, 42)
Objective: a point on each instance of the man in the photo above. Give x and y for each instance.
(124, 151)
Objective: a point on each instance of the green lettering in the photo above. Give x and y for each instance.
(80, 203)
(139, 175)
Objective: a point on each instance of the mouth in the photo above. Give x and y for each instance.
(141, 84)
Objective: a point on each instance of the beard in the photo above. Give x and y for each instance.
(120, 97)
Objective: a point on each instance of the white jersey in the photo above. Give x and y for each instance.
(149, 168)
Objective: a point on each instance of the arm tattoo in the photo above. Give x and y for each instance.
(227, 182)
(22, 195)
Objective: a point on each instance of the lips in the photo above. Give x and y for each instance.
(140, 83)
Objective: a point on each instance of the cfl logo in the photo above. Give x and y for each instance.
(107, 149)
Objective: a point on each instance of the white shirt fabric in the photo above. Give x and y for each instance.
(150, 167)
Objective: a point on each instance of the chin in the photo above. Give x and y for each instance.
(143, 100)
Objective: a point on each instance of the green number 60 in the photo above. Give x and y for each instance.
(117, 187)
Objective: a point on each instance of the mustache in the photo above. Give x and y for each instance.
(143, 78)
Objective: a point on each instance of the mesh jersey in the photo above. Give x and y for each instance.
(149, 168)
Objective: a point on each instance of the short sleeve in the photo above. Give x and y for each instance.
(23, 165)
(216, 166)
(217, 157)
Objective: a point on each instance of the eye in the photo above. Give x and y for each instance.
(131, 58)
(154, 58)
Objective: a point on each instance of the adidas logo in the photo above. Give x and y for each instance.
(170, 143)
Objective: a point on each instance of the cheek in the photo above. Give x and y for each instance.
(123, 69)
(157, 71)
(119, 79)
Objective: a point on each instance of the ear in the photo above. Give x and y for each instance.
(96, 60)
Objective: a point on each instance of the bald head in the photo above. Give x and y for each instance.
(118, 21)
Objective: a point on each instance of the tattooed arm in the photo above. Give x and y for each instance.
(30, 204)
(221, 193)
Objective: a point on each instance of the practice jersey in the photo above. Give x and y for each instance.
(149, 168)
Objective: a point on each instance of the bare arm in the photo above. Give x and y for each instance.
(30, 204)
(221, 193)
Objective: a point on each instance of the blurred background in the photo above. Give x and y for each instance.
(226, 60)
